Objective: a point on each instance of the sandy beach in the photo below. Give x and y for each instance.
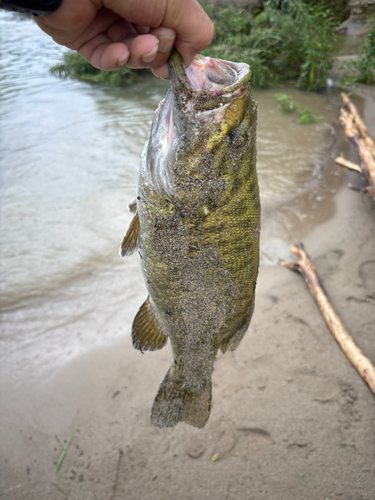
(291, 418)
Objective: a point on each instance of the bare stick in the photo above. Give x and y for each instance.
(358, 189)
(348, 164)
(362, 364)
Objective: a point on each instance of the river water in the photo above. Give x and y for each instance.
(69, 157)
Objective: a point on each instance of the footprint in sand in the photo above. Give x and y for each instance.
(242, 442)
(328, 263)
(252, 441)
(366, 272)
(317, 387)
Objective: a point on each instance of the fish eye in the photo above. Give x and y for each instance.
(236, 138)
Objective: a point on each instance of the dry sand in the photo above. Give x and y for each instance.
(291, 419)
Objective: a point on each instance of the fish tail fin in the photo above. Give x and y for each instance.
(176, 401)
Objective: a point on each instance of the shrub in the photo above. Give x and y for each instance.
(75, 67)
(362, 70)
(289, 40)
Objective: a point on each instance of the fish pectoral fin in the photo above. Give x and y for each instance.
(133, 207)
(130, 243)
(146, 332)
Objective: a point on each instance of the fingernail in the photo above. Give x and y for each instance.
(166, 43)
(162, 72)
(123, 59)
(150, 56)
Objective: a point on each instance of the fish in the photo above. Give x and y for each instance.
(196, 228)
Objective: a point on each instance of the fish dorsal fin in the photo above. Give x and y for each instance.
(146, 333)
(130, 243)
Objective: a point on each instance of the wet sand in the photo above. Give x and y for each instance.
(291, 419)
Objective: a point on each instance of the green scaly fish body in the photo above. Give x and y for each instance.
(199, 223)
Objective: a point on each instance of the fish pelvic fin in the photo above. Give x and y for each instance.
(177, 402)
(130, 243)
(146, 332)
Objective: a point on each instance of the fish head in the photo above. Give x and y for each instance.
(203, 134)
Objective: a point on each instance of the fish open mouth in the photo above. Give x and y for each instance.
(207, 84)
(210, 74)
(207, 77)
(199, 95)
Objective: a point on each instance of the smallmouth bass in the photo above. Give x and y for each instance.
(196, 228)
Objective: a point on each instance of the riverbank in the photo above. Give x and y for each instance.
(291, 419)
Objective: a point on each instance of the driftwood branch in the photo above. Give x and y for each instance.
(348, 164)
(358, 135)
(360, 362)
(360, 125)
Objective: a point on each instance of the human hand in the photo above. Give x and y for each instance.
(133, 33)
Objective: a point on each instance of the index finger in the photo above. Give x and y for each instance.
(194, 29)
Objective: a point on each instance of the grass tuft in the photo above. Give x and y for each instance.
(12, 488)
(306, 117)
(285, 103)
(65, 450)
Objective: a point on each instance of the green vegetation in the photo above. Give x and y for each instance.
(285, 103)
(288, 106)
(65, 449)
(362, 70)
(75, 67)
(339, 8)
(306, 117)
(10, 489)
(287, 41)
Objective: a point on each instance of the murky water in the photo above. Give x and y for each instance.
(69, 157)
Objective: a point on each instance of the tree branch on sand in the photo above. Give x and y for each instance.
(348, 164)
(357, 133)
(360, 362)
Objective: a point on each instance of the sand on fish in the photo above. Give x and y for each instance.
(291, 419)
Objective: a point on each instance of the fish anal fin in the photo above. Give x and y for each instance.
(130, 243)
(146, 332)
(231, 343)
